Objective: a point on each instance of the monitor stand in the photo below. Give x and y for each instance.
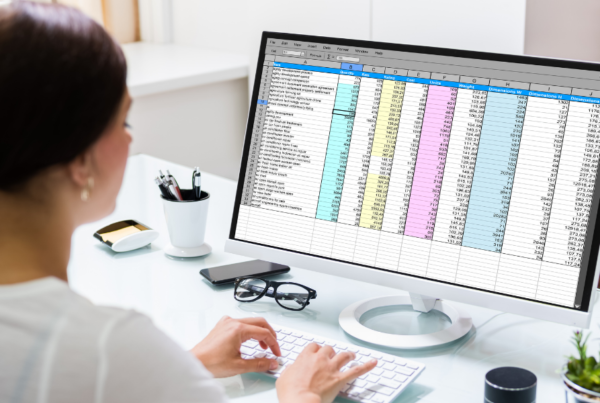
(461, 322)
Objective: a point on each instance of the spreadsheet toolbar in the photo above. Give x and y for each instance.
(469, 180)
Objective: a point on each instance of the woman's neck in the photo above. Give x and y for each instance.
(35, 239)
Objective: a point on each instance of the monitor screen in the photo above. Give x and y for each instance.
(468, 168)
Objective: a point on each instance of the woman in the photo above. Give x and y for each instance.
(63, 150)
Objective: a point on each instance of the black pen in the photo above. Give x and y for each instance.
(197, 183)
(165, 191)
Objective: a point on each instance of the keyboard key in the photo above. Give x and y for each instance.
(319, 340)
(355, 391)
(388, 358)
(246, 350)
(388, 374)
(380, 364)
(364, 352)
(287, 346)
(363, 376)
(296, 334)
(400, 378)
(309, 338)
(377, 356)
(389, 367)
(246, 357)
(260, 354)
(276, 328)
(373, 378)
(300, 342)
(252, 344)
(377, 398)
(389, 383)
(364, 359)
(289, 339)
(282, 361)
(297, 349)
(353, 349)
(384, 390)
(376, 371)
(330, 343)
(412, 366)
(270, 356)
(281, 336)
(285, 353)
(293, 356)
(359, 382)
(352, 364)
(399, 361)
(405, 371)
(341, 347)
(286, 331)
(366, 395)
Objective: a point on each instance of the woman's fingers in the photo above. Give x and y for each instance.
(327, 351)
(262, 335)
(343, 358)
(260, 322)
(257, 365)
(357, 371)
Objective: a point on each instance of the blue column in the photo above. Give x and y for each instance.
(336, 157)
(494, 171)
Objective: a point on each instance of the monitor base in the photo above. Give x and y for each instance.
(350, 321)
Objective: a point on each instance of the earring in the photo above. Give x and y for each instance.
(87, 189)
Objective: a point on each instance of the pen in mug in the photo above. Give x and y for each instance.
(174, 190)
(197, 183)
(172, 179)
(165, 191)
(161, 175)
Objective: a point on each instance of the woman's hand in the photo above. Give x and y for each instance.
(220, 350)
(315, 377)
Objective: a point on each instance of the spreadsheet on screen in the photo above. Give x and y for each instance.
(474, 172)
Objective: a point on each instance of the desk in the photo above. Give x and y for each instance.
(186, 307)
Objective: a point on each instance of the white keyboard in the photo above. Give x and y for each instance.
(382, 385)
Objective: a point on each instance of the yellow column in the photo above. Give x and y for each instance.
(382, 153)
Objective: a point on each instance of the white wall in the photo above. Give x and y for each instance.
(205, 126)
(236, 25)
(201, 126)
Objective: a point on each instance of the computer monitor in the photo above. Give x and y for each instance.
(452, 174)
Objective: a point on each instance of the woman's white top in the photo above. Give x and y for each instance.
(57, 347)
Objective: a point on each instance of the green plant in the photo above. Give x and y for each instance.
(584, 371)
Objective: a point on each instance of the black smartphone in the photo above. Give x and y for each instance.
(257, 268)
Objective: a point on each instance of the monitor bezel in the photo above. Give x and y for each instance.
(547, 311)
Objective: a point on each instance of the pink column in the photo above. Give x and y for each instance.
(431, 159)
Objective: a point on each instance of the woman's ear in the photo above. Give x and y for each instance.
(80, 169)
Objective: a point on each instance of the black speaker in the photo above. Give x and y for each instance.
(510, 385)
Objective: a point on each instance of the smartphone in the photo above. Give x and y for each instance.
(257, 268)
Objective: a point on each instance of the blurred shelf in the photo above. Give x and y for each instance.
(155, 68)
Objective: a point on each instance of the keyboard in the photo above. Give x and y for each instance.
(381, 385)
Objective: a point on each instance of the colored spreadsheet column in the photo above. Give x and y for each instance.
(494, 171)
(431, 161)
(382, 154)
(336, 158)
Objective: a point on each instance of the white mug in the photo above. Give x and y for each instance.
(186, 221)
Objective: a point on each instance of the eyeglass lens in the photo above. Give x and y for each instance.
(249, 289)
(292, 296)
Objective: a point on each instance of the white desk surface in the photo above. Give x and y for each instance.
(155, 68)
(185, 306)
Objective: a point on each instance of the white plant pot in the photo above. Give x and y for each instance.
(571, 395)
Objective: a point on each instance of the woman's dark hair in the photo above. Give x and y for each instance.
(62, 79)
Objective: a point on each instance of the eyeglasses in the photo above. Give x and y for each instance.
(292, 296)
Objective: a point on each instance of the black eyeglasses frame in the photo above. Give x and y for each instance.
(312, 294)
